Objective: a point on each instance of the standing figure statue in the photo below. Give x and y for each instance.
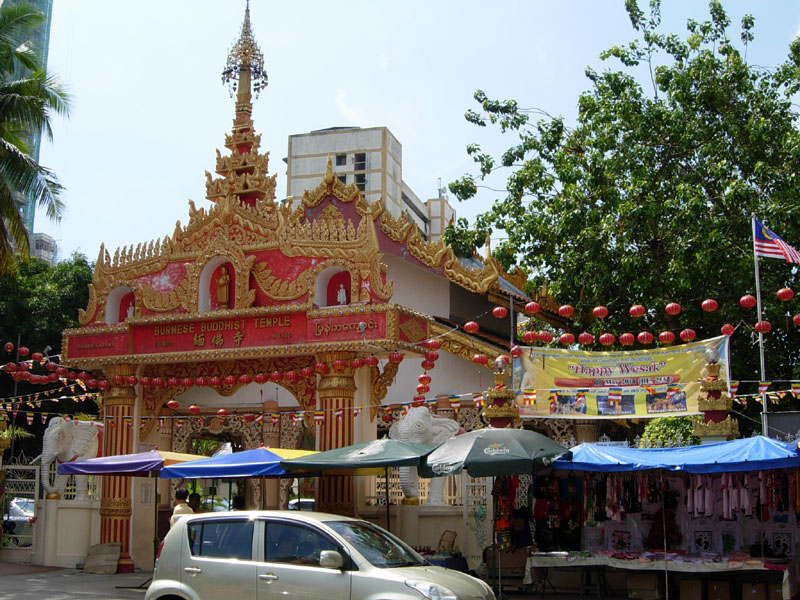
(341, 295)
(422, 427)
(223, 287)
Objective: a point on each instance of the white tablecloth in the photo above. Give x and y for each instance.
(791, 576)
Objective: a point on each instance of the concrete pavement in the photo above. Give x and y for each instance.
(31, 582)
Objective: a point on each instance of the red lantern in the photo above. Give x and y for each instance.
(260, 378)
(187, 382)
(386, 417)
(666, 337)
(529, 337)
(229, 380)
(424, 379)
(51, 366)
(785, 294)
(222, 412)
(321, 368)
(585, 338)
(158, 382)
(307, 372)
(52, 378)
(480, 359)
(418, 400)
(23, 351)
(131, 380)
(9, 347)
(38, 356)
(173, 404)
(277, 376)
(627, 339)
(428, 365)
(709, 305)
(566, 338)
(371, 361)
(194, 409)
(687, 335)
(172, 381)
(747, 301)
(23, 366)
(61, 371)
(433, 344)
(515, 351)
(338, 365)
(607, 339)
(645, 337)
(395, 357)
(145, 381)
(214, 381)
(290, 376)
(796, 319)
(565, 311)
(673, 308)
(249, 417)
(357, 363)
(545, 337)
(600, 312)
(532, 307)
(201, 381)
(471, 327)
(117, 379)
(727, 329)
(432, 355)
(637, 310)
(91, 382)
(500, 312)
(11, 367)
(244, 379)
(763, 327)
(423, 389)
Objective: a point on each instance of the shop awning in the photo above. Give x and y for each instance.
(749, 454)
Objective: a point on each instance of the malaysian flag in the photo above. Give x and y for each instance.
(766, 243)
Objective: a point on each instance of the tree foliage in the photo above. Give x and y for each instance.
(648, 199)
(669, 431)
(27, 103)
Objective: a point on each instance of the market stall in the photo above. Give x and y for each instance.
(718, 508)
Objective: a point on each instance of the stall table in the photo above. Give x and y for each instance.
(790, 586)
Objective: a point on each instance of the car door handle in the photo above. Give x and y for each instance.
(193, 570)
(268, 577)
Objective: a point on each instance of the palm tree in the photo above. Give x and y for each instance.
(26, 105)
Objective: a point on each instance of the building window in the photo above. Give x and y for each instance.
(343, 179)
(361, 181)
(341, 159)
(360, 163)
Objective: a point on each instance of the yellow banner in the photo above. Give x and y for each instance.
(573, 383)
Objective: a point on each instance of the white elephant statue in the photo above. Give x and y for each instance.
(66, 440)
(421, 426)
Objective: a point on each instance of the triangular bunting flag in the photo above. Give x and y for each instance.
(44, 417)
(275, 418)
(733, 386)
(29, 418)
(455, 402)
(319, 417)
(672, 390)
(763, 386)
(297, 417)
(339, 414)
(796, 388)
(529, 396)
(357, 411)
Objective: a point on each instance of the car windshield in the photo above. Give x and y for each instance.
(380, 548)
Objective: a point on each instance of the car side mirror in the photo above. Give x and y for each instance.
(330, 559)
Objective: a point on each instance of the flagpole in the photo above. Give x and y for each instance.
(764, 408)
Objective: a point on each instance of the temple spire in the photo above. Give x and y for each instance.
(245, 67)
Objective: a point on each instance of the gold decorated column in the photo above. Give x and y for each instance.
(335, 391)
(115, 503)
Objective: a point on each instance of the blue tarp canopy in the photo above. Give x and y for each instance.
(749, 454)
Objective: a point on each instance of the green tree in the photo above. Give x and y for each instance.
(648, 198)
(669, 431)
(26, 104)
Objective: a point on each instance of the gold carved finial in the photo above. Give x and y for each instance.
(328, 178)
(245, 64)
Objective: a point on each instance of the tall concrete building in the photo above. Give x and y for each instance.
(370, 158)
(40, 41)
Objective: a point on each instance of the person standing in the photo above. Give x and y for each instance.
(181, 507)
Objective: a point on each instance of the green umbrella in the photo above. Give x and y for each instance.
(491, 453)
(367, 458)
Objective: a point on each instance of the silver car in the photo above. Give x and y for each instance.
(262, 555)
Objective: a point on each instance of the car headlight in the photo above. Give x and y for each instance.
(431, 590)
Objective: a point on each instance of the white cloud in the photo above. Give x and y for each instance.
(348, 111)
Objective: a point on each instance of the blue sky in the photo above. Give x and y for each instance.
(150, 109)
